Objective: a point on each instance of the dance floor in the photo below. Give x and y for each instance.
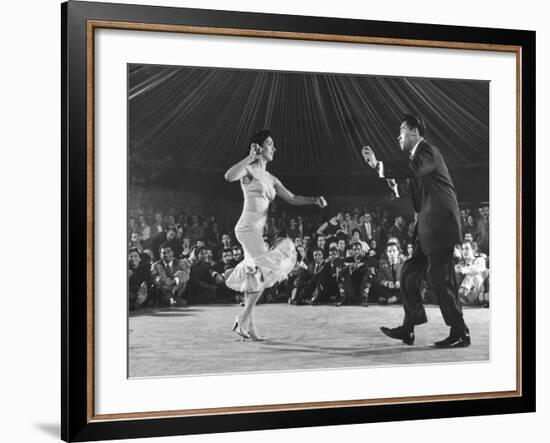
(199, 340)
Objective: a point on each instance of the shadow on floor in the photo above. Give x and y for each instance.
(164, 312)
(358, 351)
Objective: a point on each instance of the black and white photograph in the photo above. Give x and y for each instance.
(291, 221)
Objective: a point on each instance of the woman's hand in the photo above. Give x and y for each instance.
(320, 201)
(253, 155)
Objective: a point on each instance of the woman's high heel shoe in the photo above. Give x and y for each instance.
(254, 336)
(238, 330)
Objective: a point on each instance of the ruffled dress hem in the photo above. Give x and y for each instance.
(264, 271)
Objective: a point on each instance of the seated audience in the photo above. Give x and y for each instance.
(157, 222)
(321, 243)
(202, 287)
(387, 286)
(471, 273)
(293, 231)
(341, 246)
(409, 251)
(135, 241)
(139, 278)
(185, 248)
(170, 277)
(237, 254)
(356, 238)
(167, 238)
(369, 231)
(220, 272)
(357, 276)
(332, 228)
(310, 285)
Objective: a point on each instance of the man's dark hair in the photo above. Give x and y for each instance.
(226, 250)
(354, 230)
(165, 246)
(198, 250)
(136, 250)
(259, 137)
(236, 247)
(333, 250)
(415, 122)
(392, 243)
(320, 250)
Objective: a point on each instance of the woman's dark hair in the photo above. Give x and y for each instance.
(259, 137)
(415, 122)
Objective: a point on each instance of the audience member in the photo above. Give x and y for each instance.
(220, 272)
(332, 228)
(202, 287)
(170, 277)
(471, 273)
(369, 231)
(237, 254)
(356, 276)
(389, 273)
(139, 278)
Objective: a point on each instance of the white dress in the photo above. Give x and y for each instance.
(261, 267)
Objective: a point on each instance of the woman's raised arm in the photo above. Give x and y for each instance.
(238, 170)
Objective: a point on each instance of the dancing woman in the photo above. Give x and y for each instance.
(261, 267)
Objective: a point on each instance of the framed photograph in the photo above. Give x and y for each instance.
(275, 221)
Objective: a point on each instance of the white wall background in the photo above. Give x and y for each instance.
(30, 221)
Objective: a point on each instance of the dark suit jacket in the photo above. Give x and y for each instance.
(384, 272)
(162, 276)
(374, 232)
(429, 184)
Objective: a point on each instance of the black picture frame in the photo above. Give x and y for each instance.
(77, 420)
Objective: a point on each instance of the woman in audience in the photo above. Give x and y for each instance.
(262, 267)
(333, 227)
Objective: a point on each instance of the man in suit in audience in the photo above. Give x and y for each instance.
(369, 230)
(389, 274)
(170, 277)
(202, 287)
(357, 276)
(427, 181)
(220, 272)
(308, 284)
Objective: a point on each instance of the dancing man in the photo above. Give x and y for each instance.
(261, 267)
(428, 183)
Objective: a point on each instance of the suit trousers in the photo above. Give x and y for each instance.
(438, 269)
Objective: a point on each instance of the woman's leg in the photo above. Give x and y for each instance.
(253, 298)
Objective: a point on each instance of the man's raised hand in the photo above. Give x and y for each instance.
(369, 157)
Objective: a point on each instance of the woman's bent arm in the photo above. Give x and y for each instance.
(238, 170)
(297, 200)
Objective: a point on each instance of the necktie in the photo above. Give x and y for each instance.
(393, 273)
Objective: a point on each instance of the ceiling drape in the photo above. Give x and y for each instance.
(200, 119)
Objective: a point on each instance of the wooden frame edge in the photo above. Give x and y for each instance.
(91, 25)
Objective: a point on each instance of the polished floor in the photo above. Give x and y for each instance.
(198, 339)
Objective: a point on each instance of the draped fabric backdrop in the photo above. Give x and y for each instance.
(195, 122)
